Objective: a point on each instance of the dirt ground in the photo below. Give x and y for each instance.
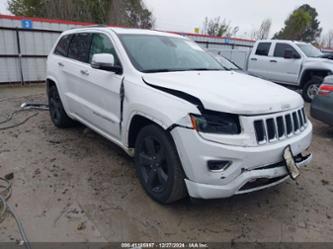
(73, 185)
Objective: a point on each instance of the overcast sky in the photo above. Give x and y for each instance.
(3, 7)
(185, 15)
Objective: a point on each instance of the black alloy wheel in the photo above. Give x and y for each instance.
(158, 165)
(57, 112)
(153, 165)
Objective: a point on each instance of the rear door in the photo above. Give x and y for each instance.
(56, 65)
(259, 60)
(76, 67)
(285, 70)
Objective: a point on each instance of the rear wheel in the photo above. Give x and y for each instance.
(158, 166)
(57, 112)
(311, 88)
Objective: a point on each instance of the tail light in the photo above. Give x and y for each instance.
(325, 89)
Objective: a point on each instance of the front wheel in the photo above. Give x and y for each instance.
(311, 89)
(158, 165)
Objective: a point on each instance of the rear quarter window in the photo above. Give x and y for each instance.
(263, 48)
(62, 46)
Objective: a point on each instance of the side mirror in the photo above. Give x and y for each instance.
(105, 62)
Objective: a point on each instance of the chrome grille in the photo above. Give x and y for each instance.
(278, 127)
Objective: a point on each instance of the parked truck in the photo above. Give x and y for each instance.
(296, 64)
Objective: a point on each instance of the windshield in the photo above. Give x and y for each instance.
(153, 53)
(309, 50)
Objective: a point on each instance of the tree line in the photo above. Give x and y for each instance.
(129, 13)
(301, 25)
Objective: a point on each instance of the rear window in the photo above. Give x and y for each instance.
(263, 48)
(79, 47)
(63, 44)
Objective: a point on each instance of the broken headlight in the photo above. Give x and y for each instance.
(216, 123)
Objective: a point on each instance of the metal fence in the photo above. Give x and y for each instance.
(24, 46)
(26, 42)
(24, 61)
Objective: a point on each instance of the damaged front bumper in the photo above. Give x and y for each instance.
(252, 168)
(249, 181)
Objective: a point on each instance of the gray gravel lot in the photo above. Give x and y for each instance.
(74, 185)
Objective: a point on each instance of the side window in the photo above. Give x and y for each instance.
(281, 48)
(79, 47)
(62, 47)
(263, 48)
(101, 44)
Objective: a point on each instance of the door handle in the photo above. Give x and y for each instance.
(273, 61)
(254, 59)
(60, 64)
(84, 72)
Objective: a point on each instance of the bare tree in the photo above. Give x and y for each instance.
(326, 40)
(322, 41)
(218, 27)
(264, 30)
(232, 32)
(330, 39)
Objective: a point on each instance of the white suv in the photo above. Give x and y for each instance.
(193, 127)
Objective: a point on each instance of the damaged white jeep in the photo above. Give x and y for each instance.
(194, 127)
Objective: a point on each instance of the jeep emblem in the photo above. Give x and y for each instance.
(286, 106)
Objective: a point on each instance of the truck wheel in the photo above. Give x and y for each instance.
(158, 165)
(311, 88)
(57, 112)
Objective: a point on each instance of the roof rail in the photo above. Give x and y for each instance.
(92, 26)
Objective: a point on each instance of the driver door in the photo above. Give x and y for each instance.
(101, 89)
(285, 69)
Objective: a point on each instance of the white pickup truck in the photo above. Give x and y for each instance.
(292, 63)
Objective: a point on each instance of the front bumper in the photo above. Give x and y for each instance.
(245, 183)
(249, 164)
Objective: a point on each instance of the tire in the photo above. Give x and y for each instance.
(158, 166)
(57, 112)
(310, 89)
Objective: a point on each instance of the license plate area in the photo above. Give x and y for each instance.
(291, 166)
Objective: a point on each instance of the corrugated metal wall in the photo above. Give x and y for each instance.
(236, 50)
(36, 41)
(35, 44)
(210, 42)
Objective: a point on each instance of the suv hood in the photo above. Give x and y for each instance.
(227, 91)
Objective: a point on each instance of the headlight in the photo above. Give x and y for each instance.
(216, 123)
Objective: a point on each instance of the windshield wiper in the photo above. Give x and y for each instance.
(157, 71)
(204, 69)
(181, 70)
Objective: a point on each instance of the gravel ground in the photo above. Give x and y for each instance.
(73, 185)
